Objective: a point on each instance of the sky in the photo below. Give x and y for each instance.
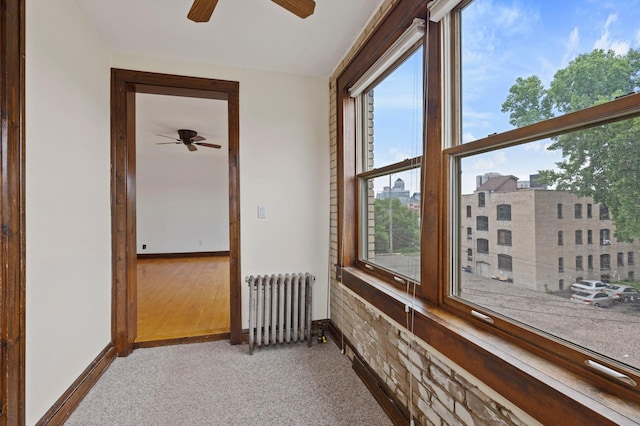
(502, 40)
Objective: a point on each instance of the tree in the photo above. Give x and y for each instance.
(602, 162)
(405, 226)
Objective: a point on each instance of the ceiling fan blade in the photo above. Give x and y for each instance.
(170, 137)
(201, 10)
(208, 145)
(197, 139)
(302, 8)
(167, 143)
(191, 147)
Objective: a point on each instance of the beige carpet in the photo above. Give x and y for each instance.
(218, 384)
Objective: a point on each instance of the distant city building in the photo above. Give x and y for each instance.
(397, 191)
(540, 239)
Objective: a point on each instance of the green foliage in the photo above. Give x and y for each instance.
(602, 162)
(405, 226)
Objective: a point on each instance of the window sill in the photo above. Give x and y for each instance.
(545, 390)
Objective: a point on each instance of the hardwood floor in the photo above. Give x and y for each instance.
(182, 297)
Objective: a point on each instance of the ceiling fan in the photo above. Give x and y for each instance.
(190, 138)
(201, 10)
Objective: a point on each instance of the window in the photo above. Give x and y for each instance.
(482, 223)
(504, 262)
(469, 233)
(504, 237)
(536, 110)
(630, 258)
(620, 259)
(589, 236)
(630, 276)
(504, 211)
(578, 237)
(390, 189)
(464, 106)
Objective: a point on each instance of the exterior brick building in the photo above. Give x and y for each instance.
(539, 238)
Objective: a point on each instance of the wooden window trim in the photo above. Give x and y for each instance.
(617, 110)
(512, 368)
(543, 367)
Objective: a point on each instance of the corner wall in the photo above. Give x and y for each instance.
(441, 391)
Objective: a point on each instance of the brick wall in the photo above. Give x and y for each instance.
(442, 392)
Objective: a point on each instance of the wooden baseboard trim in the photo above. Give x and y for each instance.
(177, 255)
(68, 402)
(397, 412)
(182, 340)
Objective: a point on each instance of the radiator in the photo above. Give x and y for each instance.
(279, 309)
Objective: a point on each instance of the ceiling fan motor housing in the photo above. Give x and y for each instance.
(187, 135)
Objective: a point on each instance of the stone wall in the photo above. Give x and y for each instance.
(442, 393)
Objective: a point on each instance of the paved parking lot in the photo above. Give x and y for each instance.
(614, 331)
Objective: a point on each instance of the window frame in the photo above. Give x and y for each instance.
(436, 206)
(503, 212)
(504, 237)
(362, 173)
(453, 149)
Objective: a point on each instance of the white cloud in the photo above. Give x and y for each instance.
(468, 137)
(488, 162)
(571, 46)
(534, 146)
(620, 47)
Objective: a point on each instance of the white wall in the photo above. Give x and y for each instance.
(182, 197)
(284, 165)
(68, 263)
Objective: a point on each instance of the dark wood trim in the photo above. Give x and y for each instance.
(69, 401)
(124, 85)
(566, 398)
(179, 255)
(12, 208)
(430, 239)
(182, 340)
(393, 26)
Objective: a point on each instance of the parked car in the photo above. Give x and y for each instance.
(600, 298)
(588, 285)
(623, 293)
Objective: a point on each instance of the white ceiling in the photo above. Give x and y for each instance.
(164, 115)
(256, 34)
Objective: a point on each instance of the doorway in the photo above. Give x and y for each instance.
(182, 219)
(125, 84)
